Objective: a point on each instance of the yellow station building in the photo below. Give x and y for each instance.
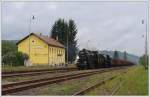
(42, 50)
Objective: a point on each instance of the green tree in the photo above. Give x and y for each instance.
(8, 46)
(72, 42)
(9, 59)
(116, 55)
(66, 33)
(14, 58)
(60, 30)
(8, 49)
(10, 55)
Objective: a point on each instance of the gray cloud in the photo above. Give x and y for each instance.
(108, 25)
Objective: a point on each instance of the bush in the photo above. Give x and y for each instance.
(14, 58)
(8, 58)
(8, 46)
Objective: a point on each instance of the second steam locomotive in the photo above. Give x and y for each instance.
(93, 60)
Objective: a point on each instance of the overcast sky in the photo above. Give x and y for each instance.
(101, 25)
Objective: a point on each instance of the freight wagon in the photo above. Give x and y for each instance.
(93, 60)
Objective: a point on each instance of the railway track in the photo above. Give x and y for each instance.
(24, 85)
(115, 89)
(35, 72)
(93, 86)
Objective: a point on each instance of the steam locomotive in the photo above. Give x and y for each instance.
(93, 60)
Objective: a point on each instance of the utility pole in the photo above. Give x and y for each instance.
(30, 21)
(145, 41)
(146, 45)
(67, 46)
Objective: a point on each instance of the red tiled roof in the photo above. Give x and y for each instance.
(46, 39)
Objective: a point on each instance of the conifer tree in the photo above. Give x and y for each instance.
(66, 33)
(72, 42)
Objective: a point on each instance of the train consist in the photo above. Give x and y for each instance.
(93, 60)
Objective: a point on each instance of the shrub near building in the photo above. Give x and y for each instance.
(10, 56)
(14, 58)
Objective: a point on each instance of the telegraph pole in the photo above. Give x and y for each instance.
(30, 21)
(67, 46)
(29, 34)
(146, 45)
(145, 41)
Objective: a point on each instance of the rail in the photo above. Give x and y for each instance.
(36, 72)
(24, 85)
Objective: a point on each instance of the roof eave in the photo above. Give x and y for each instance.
(39, 38)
